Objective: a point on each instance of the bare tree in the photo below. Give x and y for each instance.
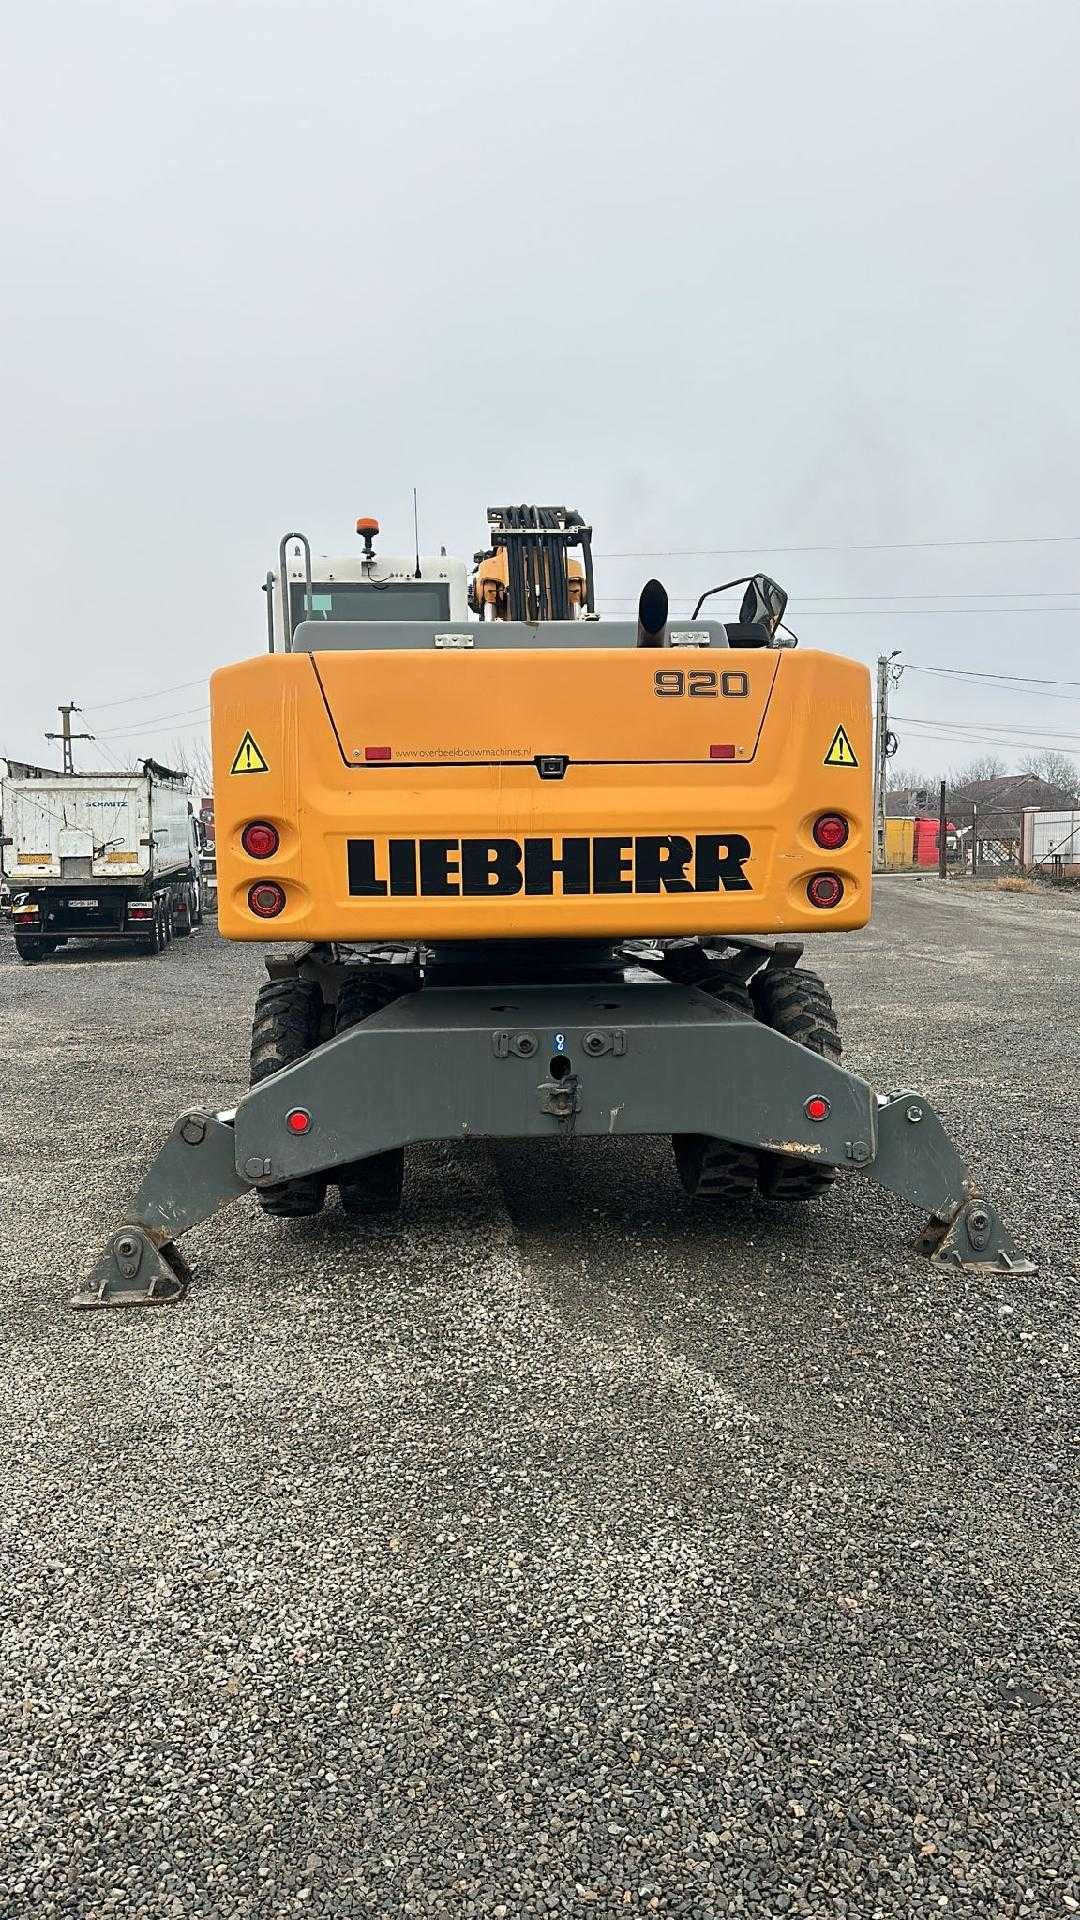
(193, 757)
(983, 766)
(899, 777)
(1056, 768)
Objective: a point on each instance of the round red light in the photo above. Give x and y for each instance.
(298, 1120)
(831, 831)
(825, 890)
(817, 1107)
(266, 899)
(260, 839)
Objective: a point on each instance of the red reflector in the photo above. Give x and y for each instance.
(298, 1120)
(726, 752)
(817, 1107)
(831, 831)
(260, 839)
(266, 899)
(376, 753)
(825, 890)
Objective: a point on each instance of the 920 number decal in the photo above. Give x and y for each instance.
(701, 683)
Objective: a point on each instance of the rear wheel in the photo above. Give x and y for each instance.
(183, 921)
(31, 949)
(374, 1185)
(718, 1169)
(285, 1028)
(798, 1004)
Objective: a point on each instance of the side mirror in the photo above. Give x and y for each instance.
(763, 604)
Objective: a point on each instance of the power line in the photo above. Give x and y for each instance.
(155, 723)
(854, 546)
(989, 726)
(990, 735)
(802, 611)
(997, 741)
(158, 694)
(1024, 680)
(959, 593)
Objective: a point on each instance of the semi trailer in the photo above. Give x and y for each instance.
(102, 856)
(535, 874)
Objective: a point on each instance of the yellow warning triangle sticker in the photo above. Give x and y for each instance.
(248, 758)
(840, 754)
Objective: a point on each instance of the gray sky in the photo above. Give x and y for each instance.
(747, 276)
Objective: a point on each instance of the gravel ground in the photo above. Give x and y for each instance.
(558, 1551)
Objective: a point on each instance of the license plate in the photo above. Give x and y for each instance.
(84, 903)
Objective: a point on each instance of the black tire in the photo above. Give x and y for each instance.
(29, 950)
(183, 922)
(372, 1186)
(798, 1004)
(284, 1029)
(718, 1169)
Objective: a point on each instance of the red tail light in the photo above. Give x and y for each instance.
(825, 890)
(831, 831)
(260, 839)
(266, 899)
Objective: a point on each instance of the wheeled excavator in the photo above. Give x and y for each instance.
(525, 872)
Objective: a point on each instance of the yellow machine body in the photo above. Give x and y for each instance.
(530, 793)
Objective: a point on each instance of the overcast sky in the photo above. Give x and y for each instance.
(752, 276)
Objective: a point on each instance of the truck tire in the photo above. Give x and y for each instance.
(32, 948)
(798, 1004)
(183, 922)
(155, 939)
(372, 1186)
(285, 1027)
(718, 1169)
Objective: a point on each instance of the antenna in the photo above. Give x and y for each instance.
(416, 530)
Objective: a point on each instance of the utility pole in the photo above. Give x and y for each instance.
(67, 736)
(884, 748)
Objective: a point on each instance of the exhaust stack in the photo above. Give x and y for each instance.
(652, 617)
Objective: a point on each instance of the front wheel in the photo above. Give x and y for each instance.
(372, 1186)
(284, 1029)
(712, 1169)
(798, 1004)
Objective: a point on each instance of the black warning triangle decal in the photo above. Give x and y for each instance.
(840, 754)
(248, 758)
